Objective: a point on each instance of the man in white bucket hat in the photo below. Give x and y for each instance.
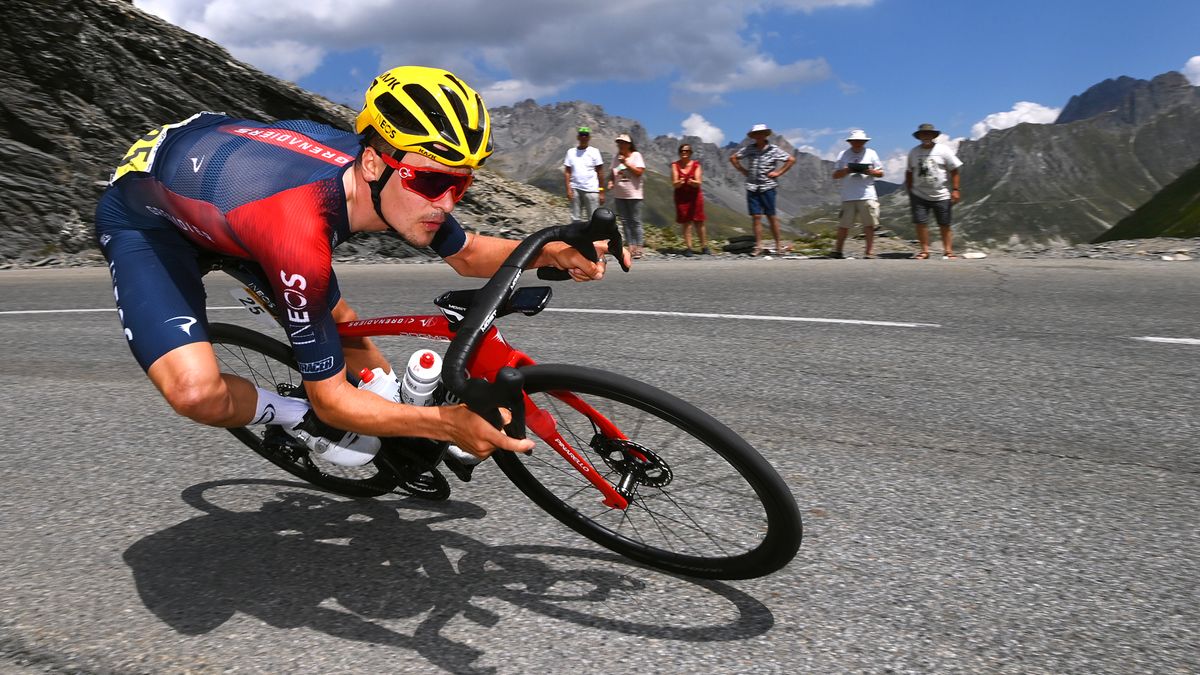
(856, 169)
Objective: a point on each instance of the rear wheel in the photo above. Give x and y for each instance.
(270, 364)
(702, 501)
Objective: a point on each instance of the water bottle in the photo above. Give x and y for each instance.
(379, 382)
(421, 378)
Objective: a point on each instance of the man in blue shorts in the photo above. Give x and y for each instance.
(767, 162)
(932, 181)
(282, 195)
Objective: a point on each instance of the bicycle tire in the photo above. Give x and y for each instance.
(750, 541)
(271, 364)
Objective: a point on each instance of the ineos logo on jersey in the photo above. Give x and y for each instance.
(301, 332)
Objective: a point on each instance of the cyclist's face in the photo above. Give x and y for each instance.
(414, 216)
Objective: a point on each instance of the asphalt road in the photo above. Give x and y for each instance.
(1011, 488)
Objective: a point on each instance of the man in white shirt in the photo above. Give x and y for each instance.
(857, 168)
(583, 171)
(932, 182)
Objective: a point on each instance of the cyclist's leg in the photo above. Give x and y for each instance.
(160, 300)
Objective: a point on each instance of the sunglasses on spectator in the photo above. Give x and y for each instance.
(431, 184)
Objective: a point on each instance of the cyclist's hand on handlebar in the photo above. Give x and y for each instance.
(473, 433)
(565, 257)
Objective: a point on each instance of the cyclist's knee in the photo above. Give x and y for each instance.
(199, 396)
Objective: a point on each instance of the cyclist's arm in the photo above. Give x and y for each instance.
(344, 406)
(481, 256)
(360, 352)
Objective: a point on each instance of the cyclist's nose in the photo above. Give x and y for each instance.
(445, 202)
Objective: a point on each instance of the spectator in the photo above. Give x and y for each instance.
(857, 168)
(767, 163)
(583, 170)
(626, 187)
(931, 167)
(686, 175)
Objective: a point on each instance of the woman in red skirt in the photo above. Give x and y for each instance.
(689, 198)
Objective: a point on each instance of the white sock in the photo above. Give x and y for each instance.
(275, 409)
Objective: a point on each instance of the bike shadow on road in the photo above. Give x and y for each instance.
(368, 570)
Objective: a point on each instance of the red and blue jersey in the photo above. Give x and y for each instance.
(271, 193)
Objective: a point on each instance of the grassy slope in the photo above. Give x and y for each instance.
(1173, 212)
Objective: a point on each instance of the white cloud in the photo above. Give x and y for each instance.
(508, 92)
(696, 125)
(1191, 70)
(760, 72)
(287, 59)
(1022, 111)
(516, 48)
(894, 165)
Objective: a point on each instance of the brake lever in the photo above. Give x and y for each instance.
(582, 237)
(508, 391)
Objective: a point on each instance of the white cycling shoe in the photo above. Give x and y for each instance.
(344, 448)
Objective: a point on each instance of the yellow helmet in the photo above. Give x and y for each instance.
(431, 112)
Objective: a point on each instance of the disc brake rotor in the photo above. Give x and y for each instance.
(629, 458)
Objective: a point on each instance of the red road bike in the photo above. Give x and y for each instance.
(627, 465)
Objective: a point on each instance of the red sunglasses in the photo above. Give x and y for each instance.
(431, 184)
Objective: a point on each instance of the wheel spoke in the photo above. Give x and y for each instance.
(696, 503)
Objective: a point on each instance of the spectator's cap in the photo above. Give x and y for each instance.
(585, 131)
(858, 135)
(624, 137)
(757, 128)
(926, 127)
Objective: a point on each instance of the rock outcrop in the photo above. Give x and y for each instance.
(82, 79)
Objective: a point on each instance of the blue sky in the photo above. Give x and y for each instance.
(811, 69)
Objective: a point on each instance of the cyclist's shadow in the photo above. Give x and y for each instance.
(286, 561)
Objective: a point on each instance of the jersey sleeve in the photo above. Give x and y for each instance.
(450, 237)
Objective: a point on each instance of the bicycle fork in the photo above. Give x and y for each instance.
(542, 424)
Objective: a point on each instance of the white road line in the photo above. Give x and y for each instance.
(78, 311)
(57, 311)
(748, 317)
(1170, 341)
(695, 315)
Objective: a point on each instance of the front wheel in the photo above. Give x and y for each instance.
(270, 364)
(702, 501)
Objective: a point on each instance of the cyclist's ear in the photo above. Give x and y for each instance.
(369, 163)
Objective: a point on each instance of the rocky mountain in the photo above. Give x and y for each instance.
(1099, 98)
(531, 140)
(1074, 180)
(82, 79)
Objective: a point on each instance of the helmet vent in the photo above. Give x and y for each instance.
(399, 116)
(429, 105)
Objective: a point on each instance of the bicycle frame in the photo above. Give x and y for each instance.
(494, 353)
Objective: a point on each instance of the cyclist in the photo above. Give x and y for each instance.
(283, 195)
